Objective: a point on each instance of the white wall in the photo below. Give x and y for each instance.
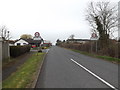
(46, 41)
(21, 42)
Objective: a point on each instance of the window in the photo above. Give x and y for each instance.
(24, 43)
(18, 44)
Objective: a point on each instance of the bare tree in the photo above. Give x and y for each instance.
(71, 36)
(102, 17)
(4, 33)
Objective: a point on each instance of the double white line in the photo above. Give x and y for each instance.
(108, 84)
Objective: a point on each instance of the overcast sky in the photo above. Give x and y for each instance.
(52, 18)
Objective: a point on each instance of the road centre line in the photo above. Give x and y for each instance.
(108, 84)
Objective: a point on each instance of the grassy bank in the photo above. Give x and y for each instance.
(25, 74)
(112, 59)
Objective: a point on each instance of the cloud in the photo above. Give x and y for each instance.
(52, 18)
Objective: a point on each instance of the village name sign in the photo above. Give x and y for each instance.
(37, 36)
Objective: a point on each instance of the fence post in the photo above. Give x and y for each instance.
(1, 40)
(96, 46)
(91, 45)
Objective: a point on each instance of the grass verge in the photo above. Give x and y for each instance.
(112, 59)
(24, 75)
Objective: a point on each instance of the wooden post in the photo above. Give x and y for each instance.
(96, 46)
(1, 58)
(1, 41)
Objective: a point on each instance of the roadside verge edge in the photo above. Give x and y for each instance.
(38, 73)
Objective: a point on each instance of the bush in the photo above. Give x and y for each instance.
(18, 50)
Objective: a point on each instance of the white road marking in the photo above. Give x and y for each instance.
(108, 84)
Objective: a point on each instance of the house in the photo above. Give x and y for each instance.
(46, 43)
(81, 41)
(31, 42)
(37, 43)
(21, 42)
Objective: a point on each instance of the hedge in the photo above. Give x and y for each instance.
(18, 50)
(113, 50)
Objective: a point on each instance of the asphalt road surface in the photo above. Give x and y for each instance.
(64, 68)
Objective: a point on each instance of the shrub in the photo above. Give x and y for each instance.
(18, 50)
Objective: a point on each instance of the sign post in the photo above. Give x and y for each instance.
(95, 38)
(37, 38)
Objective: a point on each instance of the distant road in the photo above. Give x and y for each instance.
(63, 68)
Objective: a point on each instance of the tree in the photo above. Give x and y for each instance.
(71, 36)
(63, 41)
(103, 20)
(26, 36)
(58, 42)
(4, 33)
(119, 39)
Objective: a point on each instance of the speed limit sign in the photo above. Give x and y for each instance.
(37, 34)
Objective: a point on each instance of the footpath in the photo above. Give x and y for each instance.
(12, 67)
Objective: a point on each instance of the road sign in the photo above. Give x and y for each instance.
(94, 36)
(37, 34)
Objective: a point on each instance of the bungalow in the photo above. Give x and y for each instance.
(46, 43)
(37, 43)
(31, 42)
(21, 42)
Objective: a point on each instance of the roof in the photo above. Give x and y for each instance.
(32, 41)
(11, 41)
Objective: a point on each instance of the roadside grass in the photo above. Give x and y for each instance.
(25, 73)
(112, 59)
(45, 47)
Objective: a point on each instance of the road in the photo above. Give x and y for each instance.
(64, 68)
